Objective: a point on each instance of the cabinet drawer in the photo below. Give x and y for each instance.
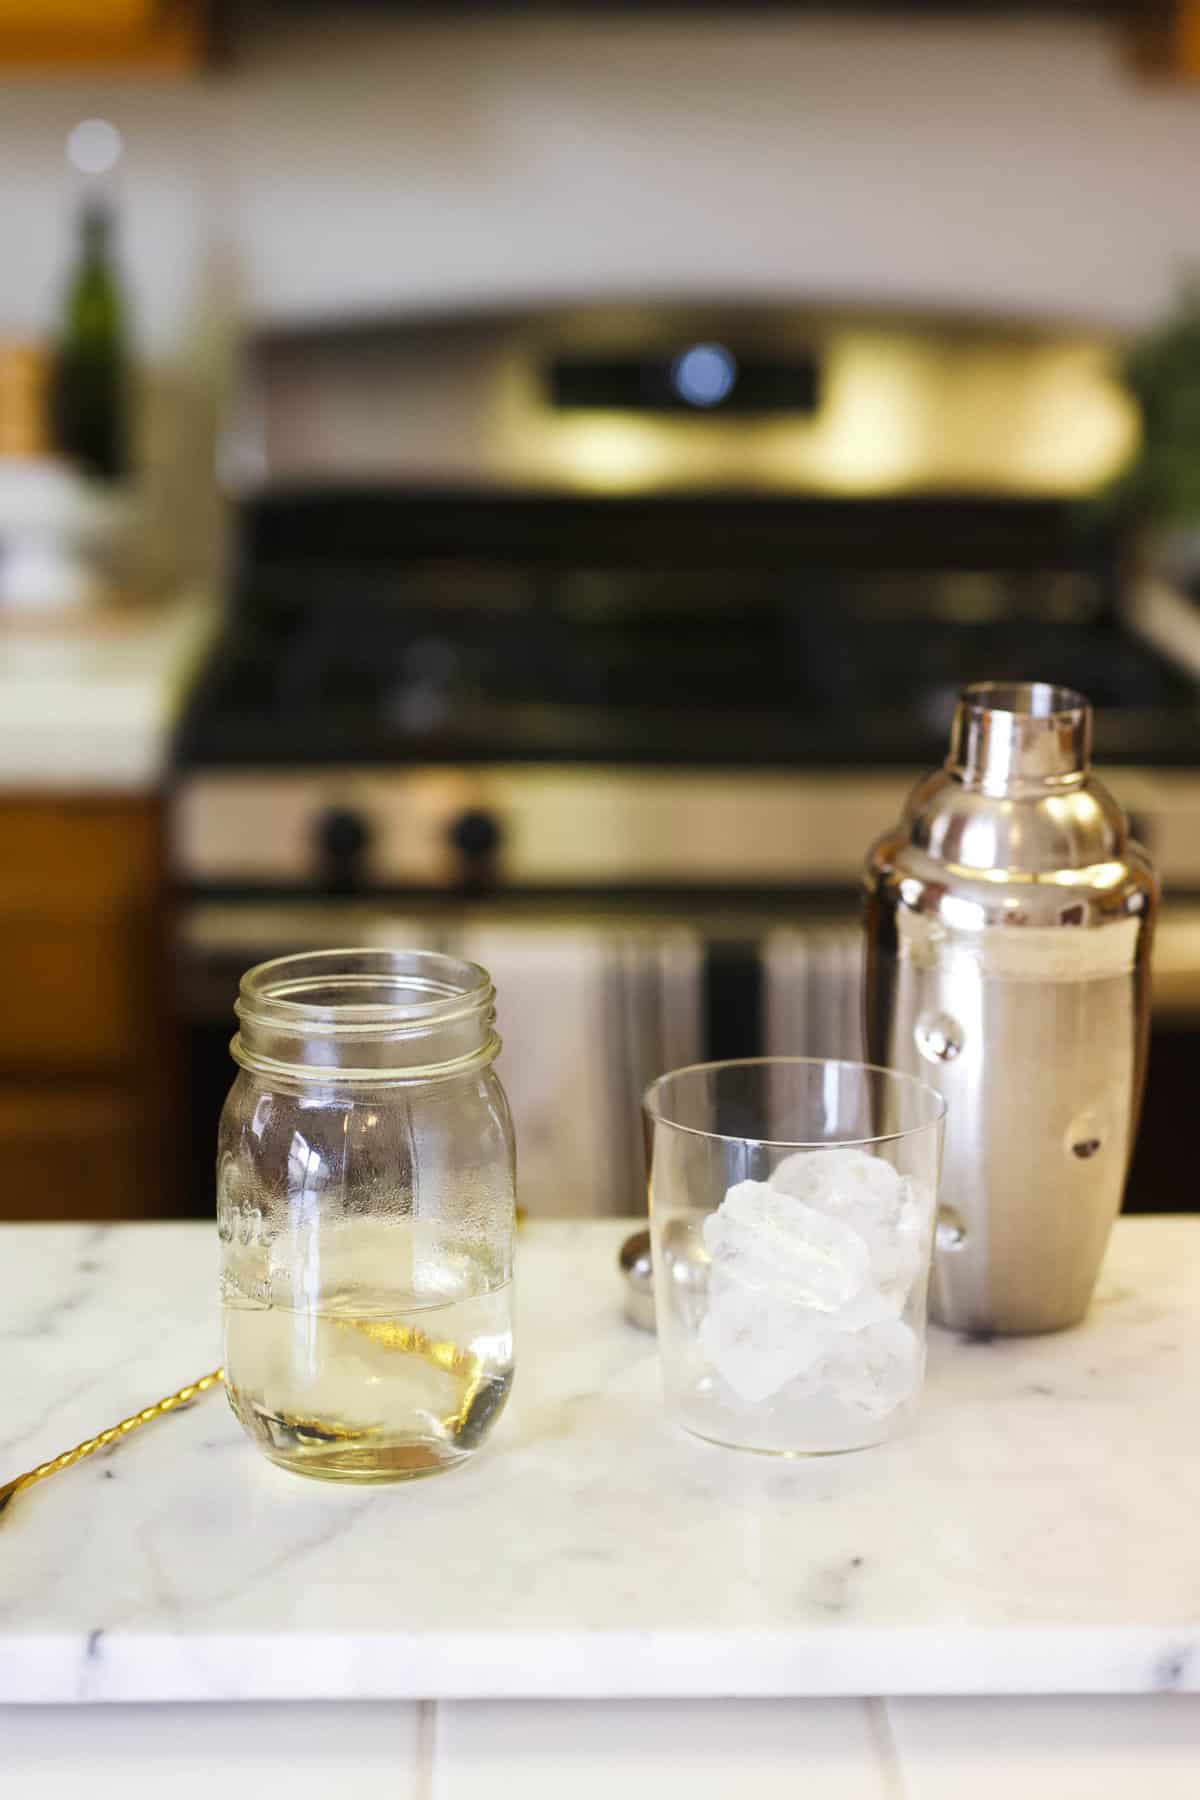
(79, 936)
(72, 1152)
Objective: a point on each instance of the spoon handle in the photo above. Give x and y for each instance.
(113, 1435)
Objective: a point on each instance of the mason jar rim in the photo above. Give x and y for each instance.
(268, 993)
(300, 1021)
(651, 1099)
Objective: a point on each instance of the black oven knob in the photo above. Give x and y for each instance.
(342, 838)
(475, 834)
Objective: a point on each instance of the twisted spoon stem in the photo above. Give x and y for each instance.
(395, 1337)
(113, 1435)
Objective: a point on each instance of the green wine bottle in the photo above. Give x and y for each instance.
(90, 391)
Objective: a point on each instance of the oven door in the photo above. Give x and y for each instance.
(594, 1002)
(589, 1011)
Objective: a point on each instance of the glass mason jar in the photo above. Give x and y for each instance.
(365, 1205)
(792, 1208)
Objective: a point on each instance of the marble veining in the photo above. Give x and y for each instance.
(1035, 1532)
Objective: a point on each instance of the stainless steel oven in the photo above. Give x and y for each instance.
(599, 644)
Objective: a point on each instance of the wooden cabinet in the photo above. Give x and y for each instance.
(85, 1043)
(154, 37)
(1166, 39)
(175, 37)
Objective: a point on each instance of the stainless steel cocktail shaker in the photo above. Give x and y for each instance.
(1009, 918)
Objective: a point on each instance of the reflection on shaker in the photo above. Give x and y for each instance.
(1009, 920)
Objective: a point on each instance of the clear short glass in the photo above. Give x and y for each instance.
(792, 1208)
(365, 1205)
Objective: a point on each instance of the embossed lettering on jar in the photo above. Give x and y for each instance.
(365, 1204)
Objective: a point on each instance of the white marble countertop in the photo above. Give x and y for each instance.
(1035, 1533)
(88, 703)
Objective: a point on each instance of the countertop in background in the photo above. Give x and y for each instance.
(87, 704)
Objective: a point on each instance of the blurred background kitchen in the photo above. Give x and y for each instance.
(529, 480)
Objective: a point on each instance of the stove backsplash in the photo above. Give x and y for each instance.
(679, 397)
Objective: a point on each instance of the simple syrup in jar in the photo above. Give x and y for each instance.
(366, 1210)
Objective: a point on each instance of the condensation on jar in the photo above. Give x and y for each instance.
(365, 1205)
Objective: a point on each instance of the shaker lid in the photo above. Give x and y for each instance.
(1010, 734)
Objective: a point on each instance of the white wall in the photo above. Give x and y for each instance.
(1015, 166)
(377, 165)
(368, 165)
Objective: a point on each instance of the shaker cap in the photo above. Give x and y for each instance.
(1014, 734)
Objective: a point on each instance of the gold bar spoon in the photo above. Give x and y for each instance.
(113, 1435)
(393, 1337)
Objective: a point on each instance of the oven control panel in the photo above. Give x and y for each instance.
(577, 827)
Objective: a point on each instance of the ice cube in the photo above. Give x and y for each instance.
(870, 1307)
(759, 1346)
(874, 1370)
(777, 1245)
(805, 1296)
(897, 1255)
(781, 1273)
(843, 1181)
(865, 1192)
